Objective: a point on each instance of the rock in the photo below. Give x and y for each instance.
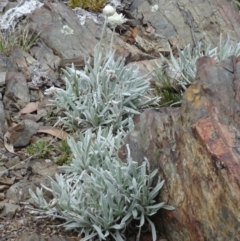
(3, 4)
(192, 21)
(12, 162)
(19, 191)
(39, 71)
(147, 67)
(17, 93)
(3, 187)
(57, 26)
(51, 20)
(8, 210)
(3, 124)
(2, 196)
(3, 171)
(45, 56)
(7, 180)
(14, 15)
(20, 135)
(197, 152)
(21, 60)
(5, 63)
(45, 168)
(36, 237)
(30, 237)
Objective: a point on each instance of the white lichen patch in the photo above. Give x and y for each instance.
(154, 8)
(13, 16)
(83, 15)
(67, 30)
(39, 76)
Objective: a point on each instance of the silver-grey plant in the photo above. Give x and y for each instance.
(92, 149)
(183, 68)
(98, 195)
(102, 200)
(107, 93)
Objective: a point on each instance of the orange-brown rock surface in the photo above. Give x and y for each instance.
(197, 151)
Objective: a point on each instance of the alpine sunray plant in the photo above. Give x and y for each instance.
(107, 93)
(98, 195)
(184, 67)
(103, 200)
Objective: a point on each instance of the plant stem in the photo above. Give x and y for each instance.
(113, 33)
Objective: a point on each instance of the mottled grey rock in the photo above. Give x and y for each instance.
(192, 20)
(3, 124)
(20, 191)
(37, 237)
(14, 15)
(45, 168)
(21, 135)
(30, 237)
(8, 210)
(5, 63)
(12, 161)
(3, 170)
(61, 31)
(17, 93)
(147, 67)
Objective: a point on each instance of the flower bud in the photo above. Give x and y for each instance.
(108, 10)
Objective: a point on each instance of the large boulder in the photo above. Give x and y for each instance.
(185, 22)
(197, 151)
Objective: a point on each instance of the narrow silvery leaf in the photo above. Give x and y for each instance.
(99, 231)
(89, 237)
(156, 190)
(153, 229)
(167, 207)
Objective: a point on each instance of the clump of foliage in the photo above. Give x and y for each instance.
(40, 149)
(170, 93)
(66, 156)
(21, 37)
(109, 93)
(179, 72)
(185, 64)
(97, 194)
(92, 5)
(103, 196)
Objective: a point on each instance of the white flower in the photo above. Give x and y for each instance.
(108, 10)
(154, 8)
(116, 19)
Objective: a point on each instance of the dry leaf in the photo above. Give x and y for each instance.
(7, 143)
(16, 127)
(29, 108)
(7, 180)
(135, 32)
(41, 96)
(54, 132)
(32, 117)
